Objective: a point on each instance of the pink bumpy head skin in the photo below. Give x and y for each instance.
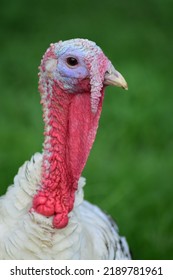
(72, 97)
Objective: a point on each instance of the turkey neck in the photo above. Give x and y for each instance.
(70, 130)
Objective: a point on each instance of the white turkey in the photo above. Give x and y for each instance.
(43, 214)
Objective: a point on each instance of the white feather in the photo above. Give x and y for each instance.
(24, 234)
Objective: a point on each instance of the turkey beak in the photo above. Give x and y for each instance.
(114, 78)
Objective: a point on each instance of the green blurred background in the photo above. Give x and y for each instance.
(130, 169)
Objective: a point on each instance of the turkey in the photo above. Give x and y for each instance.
(43, 214)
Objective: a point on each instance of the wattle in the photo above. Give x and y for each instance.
(70, 130)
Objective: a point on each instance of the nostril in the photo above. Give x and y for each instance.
(107, 72)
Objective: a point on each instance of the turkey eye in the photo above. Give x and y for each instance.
(72, 61)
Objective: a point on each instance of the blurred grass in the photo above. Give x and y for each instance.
(130, 169)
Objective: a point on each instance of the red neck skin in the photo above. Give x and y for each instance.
(70, 130)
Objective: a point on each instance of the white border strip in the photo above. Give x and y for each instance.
(69, 270)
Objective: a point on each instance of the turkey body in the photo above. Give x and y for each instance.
(43, 214)
(90, 233)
